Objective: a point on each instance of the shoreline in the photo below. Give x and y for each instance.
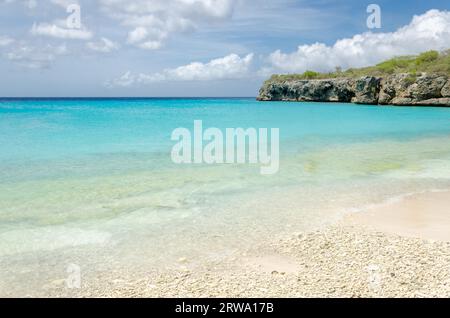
(424, 215)
(365, 254)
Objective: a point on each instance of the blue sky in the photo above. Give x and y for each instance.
(199, 47)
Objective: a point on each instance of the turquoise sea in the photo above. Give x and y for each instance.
(91, 181)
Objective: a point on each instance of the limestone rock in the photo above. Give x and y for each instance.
(445, 101)
(445, 91)
(339, 90)
(426, 87)
(367, 90)
(391, 87)
(397, 89)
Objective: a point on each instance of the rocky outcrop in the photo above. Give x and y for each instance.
(367, 90)
(334, 90)
(398, 89)
(445, 91)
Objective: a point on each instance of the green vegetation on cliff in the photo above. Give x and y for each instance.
(427, 62)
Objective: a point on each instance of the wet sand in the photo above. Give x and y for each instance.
(425, 216)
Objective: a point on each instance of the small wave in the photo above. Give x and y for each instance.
(391, 200)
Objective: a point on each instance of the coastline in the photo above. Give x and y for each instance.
(401, 81)
(136, 226)
(365, 254)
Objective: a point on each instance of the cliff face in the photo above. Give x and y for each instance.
(399, 89)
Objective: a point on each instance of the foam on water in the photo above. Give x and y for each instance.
(48, 239)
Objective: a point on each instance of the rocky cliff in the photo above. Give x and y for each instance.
(399, 89)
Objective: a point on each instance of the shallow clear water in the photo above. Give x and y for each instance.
(91, 182)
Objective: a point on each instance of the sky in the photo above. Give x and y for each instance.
(196, 48)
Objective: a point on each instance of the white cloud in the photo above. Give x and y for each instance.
(152, 22)
(137, 35)
(425, 32)
(140, 36)
(57, 30)
(35, 57)
(64, 3)
(29, 4)
(104, 45)
(127, 79)
(5, 41)
(229, 67)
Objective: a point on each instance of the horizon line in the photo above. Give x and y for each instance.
(125, 97)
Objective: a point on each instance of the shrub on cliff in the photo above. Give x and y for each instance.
(427, 62)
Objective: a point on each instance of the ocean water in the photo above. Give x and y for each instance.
(91, 181)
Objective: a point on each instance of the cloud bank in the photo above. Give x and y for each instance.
(229, 67)
(5, 40)
(57, 30)
(430, 31)
(35, 57)
(152, 22)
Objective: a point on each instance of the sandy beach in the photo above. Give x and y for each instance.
(397, 249)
